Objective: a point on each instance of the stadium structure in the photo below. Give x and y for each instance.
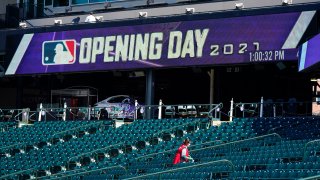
(109, 89)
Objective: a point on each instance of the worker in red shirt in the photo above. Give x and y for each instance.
(182, 154)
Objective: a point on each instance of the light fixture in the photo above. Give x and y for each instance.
(76, 20)
(242, 107)
(286, 2)
(107, 5)
(68, 9)
(239, 5)
(190, 10)
(22, 24)
(99, 18)
(57, 21)
(143, 14)
(136, 74)
(149, 2)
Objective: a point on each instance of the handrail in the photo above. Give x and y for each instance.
(211, 146)
(187, 167)
(234, 142)
(16, 173)
(311, 177)
(22, 144)
(17, 115)
(172, 150)
(12, 111)
(99, 122)
(48, 176)
(281, 104)
(181, 125)
(11, 146)
(59, 110)
(70, 175)
(165, 105)
(216, 107)
(305, 147)
(49, 112)
(96, 150)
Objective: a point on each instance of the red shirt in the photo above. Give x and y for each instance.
(177, 158)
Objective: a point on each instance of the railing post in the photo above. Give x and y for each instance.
(261, 107)
(215, 112)
(89, 112)
(242, 110)
(25, 115)
(64, 117)
(274, 110)
(40, 112)
(160, 109)
(136, 109)
(231, 110)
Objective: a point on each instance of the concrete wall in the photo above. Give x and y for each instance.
(157, 12)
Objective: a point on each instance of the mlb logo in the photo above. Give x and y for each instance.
(58, 52)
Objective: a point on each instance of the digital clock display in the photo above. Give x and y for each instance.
(258, 56)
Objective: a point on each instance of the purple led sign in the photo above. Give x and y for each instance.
(309, 53)
(237, 40)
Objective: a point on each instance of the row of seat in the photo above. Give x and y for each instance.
(279, 150)
(63, 151)
(248, 155)
(40, 131)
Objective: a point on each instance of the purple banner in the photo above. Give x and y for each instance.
(237, 40)
(309, 53)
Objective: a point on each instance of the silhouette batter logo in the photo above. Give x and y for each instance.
(59, 52)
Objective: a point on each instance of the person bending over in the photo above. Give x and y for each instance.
(182, 154)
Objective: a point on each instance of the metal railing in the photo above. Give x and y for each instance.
(16, 173)
(306, 146)
(195, 122)
(2, 149)
(255, 109)
(96, 150)
(140, 112)
(272, 109)
(10, 114)
(214, 146)
(183, 168)
(316, 177)
(240, 141)
(33, 115)
(91, 171)
(69, 113)
(62, 173)
(77, 128)
(180, 111)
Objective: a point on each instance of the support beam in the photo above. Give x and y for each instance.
(211, 74)
(149, 93)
